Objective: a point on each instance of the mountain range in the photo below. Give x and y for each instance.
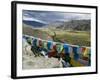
(81, 25)
(68, 25)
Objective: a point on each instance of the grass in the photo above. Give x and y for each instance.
(81, 38)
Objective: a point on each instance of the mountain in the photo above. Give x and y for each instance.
(81, 25)
(55, 24)
(34, 23)
(75, 25)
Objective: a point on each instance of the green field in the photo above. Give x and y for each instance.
(81, 38)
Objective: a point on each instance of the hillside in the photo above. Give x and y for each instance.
(81, 25)
(28, 30)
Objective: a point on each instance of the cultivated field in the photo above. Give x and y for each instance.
(81, 38)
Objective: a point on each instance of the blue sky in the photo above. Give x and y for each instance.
(52, 16)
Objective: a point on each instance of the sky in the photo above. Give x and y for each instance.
(52, 16)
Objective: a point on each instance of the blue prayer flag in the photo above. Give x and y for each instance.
(75, 51)
(34, 42)
(49, 44)
(66, 48)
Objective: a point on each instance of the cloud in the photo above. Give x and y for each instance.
(29, 17)
(52, 16)
(33, 19)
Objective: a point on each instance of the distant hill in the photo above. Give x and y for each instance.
(55, 24)
(82, 25)
(33, 23)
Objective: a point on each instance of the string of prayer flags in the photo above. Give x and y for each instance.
(68, 49)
